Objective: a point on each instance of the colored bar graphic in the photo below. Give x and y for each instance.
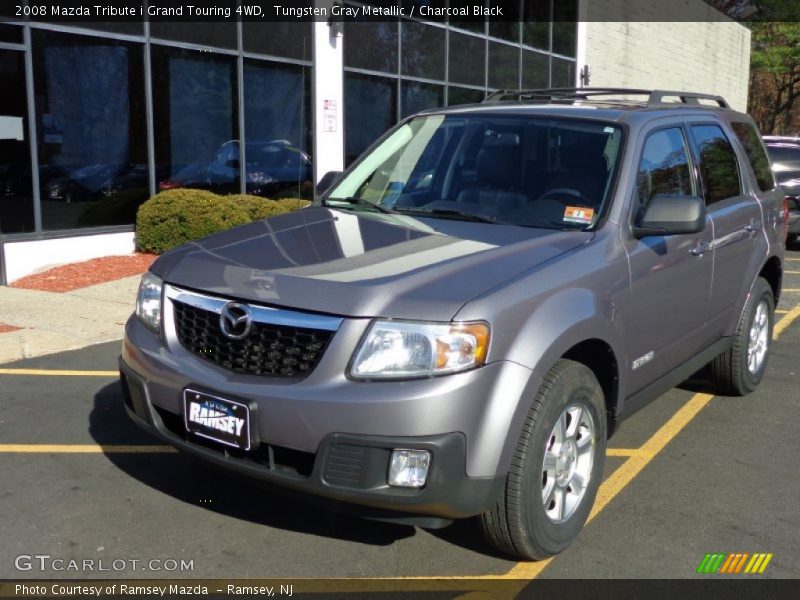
(732, 563)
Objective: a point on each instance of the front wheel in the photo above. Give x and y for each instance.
(556, 468)
(739, 370)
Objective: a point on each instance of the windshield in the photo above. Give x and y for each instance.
(533, 172)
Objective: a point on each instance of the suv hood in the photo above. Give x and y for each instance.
(361, 264)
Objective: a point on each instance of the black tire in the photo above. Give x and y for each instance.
(730, 373)
(518, 524)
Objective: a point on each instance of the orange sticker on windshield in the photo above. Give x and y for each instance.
(578, 214)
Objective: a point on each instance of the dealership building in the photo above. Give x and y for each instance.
(95, 117)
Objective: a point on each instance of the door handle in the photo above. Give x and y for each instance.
(700, 249)
(752, 226)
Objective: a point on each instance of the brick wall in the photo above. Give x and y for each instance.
(701, 56)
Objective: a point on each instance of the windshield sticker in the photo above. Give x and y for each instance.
(578, 214)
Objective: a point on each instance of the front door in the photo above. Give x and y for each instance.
(664, 316)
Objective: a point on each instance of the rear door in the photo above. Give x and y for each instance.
(737, 219)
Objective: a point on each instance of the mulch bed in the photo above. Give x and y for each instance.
(91, 272)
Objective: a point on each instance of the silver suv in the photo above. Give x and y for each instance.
(458, 324)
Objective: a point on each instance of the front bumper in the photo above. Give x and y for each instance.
(314, 430)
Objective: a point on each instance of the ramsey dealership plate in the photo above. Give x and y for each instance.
(217, 419)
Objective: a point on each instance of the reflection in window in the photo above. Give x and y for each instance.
(423, 50)
(371, 45)
(16, 196)
(277, 101)
(563, 73)
(91, 128)
(718, 167)
(664, 167)
(467, 59)
(536, 24)
(565, 27)
(365, 95)
(503, 66)
(292, 39)
(508, 27)
(194, 100)
(534, 70)
(420, 96)
(459, 95)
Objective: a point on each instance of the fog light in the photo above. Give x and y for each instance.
(409, 468)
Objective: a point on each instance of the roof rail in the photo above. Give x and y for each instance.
(569, 95)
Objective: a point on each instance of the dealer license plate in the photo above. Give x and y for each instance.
(218, 419)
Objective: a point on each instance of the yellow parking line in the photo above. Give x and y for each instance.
(622, 451)
(83, 449)
(785, 321)
(58, 373)
(790, 290)
(792, 272)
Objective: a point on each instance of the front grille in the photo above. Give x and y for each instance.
(274, 350)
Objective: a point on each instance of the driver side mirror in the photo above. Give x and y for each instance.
(327, 181)
(667, 214)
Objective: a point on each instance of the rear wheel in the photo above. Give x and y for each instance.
(556, 468)
(739, 370)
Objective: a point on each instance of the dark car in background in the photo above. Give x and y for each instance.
(271, 168)
(784, 153)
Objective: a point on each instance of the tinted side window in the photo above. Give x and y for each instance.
(718, 167)
(664, 166)
(755, 153)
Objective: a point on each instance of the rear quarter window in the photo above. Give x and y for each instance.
(749, 139)
(719, 168)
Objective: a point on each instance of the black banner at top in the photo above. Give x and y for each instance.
(76, 11)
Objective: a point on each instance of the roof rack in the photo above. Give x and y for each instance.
(569, 95)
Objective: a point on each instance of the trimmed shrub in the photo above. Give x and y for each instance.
(175, 217)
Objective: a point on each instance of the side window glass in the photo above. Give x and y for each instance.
(755, 153)
(664, 166)
(718, 167)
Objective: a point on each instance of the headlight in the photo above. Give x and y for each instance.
(402, 349)
(148, 301)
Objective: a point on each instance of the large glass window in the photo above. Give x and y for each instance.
(503, 66)
(719, 169)
(563, 73)
(291, 40)
(16, 196)
(277, 100)
(195, 120)
(370, 109)
(91, 130)
(536, 24)
(534, 70)
(467, 59)
(221, 34)
(459, 95)
(371, 45)
(420, 96)
(423, 51)
(565, 31)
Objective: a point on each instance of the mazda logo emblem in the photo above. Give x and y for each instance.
(235, 320)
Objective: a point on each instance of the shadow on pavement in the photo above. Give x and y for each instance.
(195, 483)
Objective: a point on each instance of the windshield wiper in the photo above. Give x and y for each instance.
(352, 200)
(452, 212)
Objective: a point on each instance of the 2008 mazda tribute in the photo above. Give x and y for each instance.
(460, 322)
